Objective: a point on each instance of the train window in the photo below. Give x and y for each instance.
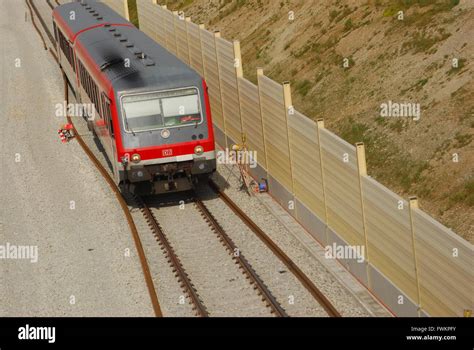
(156, 110)
(142, 113)
(90, 87)
(88, 83)
(73, 60)
(93, 94)
(83, 78)
(181, 110)
(66, 49)
(96, 100)
(81, 73)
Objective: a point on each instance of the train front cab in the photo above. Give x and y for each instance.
(173, 128)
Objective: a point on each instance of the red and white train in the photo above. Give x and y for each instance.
(151, 111)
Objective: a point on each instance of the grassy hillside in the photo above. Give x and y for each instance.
(346, 58)
(132, 9)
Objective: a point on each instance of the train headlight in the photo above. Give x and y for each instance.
(136, 158)
(165, 133)
(198, 150)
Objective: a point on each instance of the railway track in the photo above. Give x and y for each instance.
(213, 273)
(167, 246)
(173, 259)
(233, 252)
(236, 255)
(305, 281)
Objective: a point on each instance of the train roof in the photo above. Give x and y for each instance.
(110, 39)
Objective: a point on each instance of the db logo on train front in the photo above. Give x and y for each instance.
(167, 152)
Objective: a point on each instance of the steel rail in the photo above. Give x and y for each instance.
(247, 269)
(305, 281)
(34, 24)
(43, 23)
(138, 244)
(173, 259)
(50, 5)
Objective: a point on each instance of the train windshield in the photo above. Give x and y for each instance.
(165, 109)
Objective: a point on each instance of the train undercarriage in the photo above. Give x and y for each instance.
(166, 178)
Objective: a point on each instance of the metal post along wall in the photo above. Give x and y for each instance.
(239, 73)
(320, 125)
(413, 203)
(289, 110)
(126, 10)
(217, 34)
(362, 171)
(259, 75)
(188, 20)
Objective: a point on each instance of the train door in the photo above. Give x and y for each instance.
(108, 132)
